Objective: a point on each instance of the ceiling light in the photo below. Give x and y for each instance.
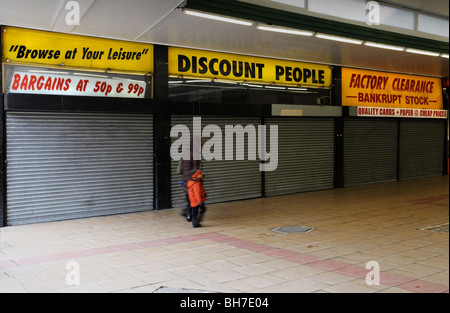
(341, 39)
(383, 46)
(423, 52)
(444, 55)
(218, 18)
(285, 31)
(297, 89)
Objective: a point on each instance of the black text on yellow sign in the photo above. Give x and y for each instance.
(202, 64)
(27, 46)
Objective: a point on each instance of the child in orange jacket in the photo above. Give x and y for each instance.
(197, 197)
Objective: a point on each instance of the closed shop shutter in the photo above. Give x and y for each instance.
(305, 156)
(370, 151)
(225, 180)
(64, 166)
(421, 148)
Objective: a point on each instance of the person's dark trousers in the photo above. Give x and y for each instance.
(187, 211)
(201, 213)
(195, 220)
(197, 215)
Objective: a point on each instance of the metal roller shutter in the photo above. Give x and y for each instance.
(370, 151)
(421, 148)
(65, 166)
(226, 180)
(305, 156)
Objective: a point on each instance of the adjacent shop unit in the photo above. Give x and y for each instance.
(78, 126)
(254, 97)
(396, 128)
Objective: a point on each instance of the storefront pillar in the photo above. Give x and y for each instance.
(162, 130)
(2, 154)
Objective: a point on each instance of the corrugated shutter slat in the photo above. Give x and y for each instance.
(305, 156)
(370, 151)
(225, 180)
(64, 166)
(421, 148)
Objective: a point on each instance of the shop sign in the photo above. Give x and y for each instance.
(381, 89)
(74, 85)
(401, 112)
(25, 46)
(224, 66)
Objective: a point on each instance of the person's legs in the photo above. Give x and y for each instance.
(195, 220)
(202, 212)
(188, 209)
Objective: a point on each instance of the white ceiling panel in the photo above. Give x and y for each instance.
(179, 29)
(124, 19)
(61, 25)
(30, 13)
(160, 22)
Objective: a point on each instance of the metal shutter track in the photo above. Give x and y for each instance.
(370, 151)
(421, 148)
(306, 156)
(226, 180)
(64, 166)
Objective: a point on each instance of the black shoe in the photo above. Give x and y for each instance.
(189, 218)
(196, 225)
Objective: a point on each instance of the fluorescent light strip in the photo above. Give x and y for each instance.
(383, 46)
(298, 89)
(48, 72)
(423, 52)
(341, 39)
(218, 18)
(90, 75)
(285, 31)
(252, 86)
(444, 55)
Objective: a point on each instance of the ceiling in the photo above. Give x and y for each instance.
(162, 22)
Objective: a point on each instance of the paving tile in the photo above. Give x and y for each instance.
(236, 251)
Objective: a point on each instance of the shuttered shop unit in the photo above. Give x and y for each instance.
(64, 166)
(370, 151)
(421, 148)
(305, 156)
(226, 180)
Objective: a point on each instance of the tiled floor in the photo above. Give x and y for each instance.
(237, 252)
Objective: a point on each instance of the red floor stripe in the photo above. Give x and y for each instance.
(355, 271)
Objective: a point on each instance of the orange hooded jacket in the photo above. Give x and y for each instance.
(197, 192)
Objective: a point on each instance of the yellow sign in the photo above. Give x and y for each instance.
(214, 65)
(26, 46)
(379, 89)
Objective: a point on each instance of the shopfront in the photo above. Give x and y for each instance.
(93, 126)
(396, 128)
(78, 126)
(243, 93)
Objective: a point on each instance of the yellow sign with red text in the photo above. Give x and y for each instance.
(26, 46)
(364, 88)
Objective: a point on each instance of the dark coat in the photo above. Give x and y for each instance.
(189, 164)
